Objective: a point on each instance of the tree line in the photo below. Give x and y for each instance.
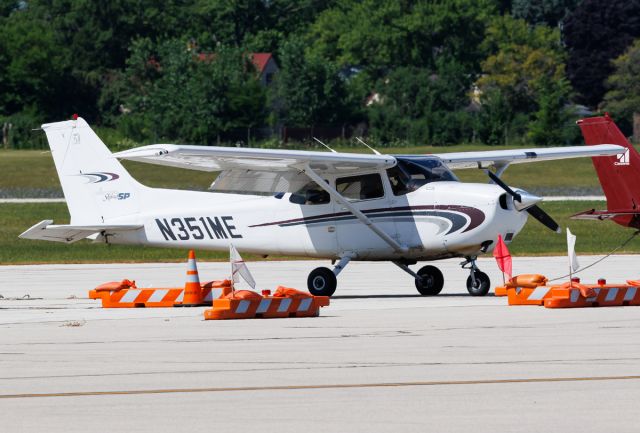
(423, 72)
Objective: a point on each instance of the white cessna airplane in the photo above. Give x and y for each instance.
(336, 206)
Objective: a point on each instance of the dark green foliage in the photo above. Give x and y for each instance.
(32, 67)
(546, 12)
(551, 124)
(596, 33)
(422, 105)
(523, 85)
(623, 96)
(174, 93)
(308, 90)
(494, 119)
(381, 35)
(20, 127)
(179, 70)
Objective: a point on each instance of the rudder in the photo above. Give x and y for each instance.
(619, 175)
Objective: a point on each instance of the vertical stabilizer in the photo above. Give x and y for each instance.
(619, 175)
(96, 186)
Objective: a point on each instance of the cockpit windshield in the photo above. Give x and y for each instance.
(411, 173)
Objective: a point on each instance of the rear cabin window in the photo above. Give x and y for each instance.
(362, 187)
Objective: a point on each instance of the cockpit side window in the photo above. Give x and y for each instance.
(410, 174)
(310, 194)
(398, 180)
(363, 187)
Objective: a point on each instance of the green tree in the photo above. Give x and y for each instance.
(31, 65)
(623, 97)
(517, 73)
(307, 90)
(552, 122)
(521, 58)
(495, 119)
(422, 105)
(32, 75)
(545, 12)
(595, 33)
(382, 35)
(176, 94)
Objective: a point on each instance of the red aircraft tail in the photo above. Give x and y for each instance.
(619, 175)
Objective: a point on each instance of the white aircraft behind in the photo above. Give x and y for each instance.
(337, 206)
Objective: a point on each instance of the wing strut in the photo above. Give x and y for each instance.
(362, 217)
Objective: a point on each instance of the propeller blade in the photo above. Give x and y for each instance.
(537, 212)
(504, 186)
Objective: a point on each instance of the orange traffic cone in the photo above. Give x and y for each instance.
(192, 290)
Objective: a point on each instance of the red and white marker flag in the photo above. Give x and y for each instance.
(503, 258)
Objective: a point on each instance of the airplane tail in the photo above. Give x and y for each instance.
(619, 175)
(96, 186)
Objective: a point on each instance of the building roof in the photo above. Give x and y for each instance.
(259, 60)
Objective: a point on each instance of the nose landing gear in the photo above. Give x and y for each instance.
(478, 283)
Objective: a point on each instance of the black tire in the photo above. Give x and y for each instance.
(322, 282)
(482, 286)
(430, 282)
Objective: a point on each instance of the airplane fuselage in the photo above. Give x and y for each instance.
(438, 220)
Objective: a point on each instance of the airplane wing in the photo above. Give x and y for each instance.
(68, 234)
(268, 171)
(211, 158)
(256, 171)
(501, 158)
(207, 158)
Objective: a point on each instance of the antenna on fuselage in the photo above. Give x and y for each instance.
(324, 144)
(370, 148)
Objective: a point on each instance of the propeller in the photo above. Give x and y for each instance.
(522, 200)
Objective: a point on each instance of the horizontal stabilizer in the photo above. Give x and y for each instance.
(593, 214)
(45, 231)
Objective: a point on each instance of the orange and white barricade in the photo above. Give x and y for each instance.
(601, 295)
(521, 281)
(157, 297)
(125, 294)
(245, 304)
(575, 295)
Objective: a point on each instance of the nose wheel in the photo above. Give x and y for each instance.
(478, 283)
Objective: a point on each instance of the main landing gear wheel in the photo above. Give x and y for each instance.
(430, 281)
(480, 286)
(322, 282)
